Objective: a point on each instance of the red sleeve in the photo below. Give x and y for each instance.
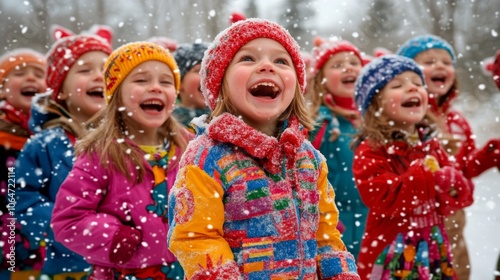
(385, 188)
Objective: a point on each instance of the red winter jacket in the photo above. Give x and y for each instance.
(399, 192)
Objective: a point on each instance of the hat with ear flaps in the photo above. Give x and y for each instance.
(124, 59)
(376, 74)
(69, 47)
(227, 43)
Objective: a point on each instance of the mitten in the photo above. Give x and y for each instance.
(124, 244)
(483, 159)
(340, 227)
(454, 191)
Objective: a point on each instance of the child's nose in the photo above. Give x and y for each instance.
(266, 66)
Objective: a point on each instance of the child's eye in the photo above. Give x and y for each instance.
(84, 70)
(166, 82)
(337, 65)
(283, 61)
(246, 58)
(140, 80)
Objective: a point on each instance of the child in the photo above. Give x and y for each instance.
(74, 76)
(192, 103)
(112, 209)
(336, 66)
(22, 74)
(403, 175)
(252, 199)
(437, 58)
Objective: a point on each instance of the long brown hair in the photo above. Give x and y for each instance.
(108, 126)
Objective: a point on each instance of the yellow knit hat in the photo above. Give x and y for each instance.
(121, 61)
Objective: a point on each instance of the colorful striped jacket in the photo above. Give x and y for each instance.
(249, 206)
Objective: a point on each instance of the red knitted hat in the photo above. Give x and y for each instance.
(229, 41)
(235, 17)
(491, 66)
(323, 50)
(68, 47)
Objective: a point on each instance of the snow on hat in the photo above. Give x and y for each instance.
(227, 43)
(68, 48)
(124, 59)
(189, 55)
(491, 66)
(19, 58)
(323, 50)
(166, 42)
(376, 74)
(412, 47)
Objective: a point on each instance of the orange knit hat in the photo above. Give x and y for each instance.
(20, 58)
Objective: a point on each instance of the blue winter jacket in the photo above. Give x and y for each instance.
(43, 164)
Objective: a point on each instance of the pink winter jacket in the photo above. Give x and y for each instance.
(93, 202)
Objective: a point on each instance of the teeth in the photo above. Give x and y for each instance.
(275, 87)
(97, 89)
(414, 99)
(153, 102)
(30, 89)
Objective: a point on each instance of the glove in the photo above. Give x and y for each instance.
(340, 227)
(454, 191)
(483, 159)
(124, 244)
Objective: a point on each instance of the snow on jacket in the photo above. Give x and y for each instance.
(43, 164)
(14, 133)
(401, 197)
(249, 206)
(339, 157)
(94, 202)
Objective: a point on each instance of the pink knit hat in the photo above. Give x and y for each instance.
(229, 41)
(68, 47)
(323, 50)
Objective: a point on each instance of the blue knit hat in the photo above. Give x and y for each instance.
(189, 55)
(376, 74)
(416, 45)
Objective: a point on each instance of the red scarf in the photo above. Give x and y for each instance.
(13, 115)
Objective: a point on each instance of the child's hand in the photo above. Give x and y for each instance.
(124, 244)
(454, 191)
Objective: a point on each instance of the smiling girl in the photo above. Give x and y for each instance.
(22, 75)
(252, 199)
(74, 79)
(403, 175)
(112, 208)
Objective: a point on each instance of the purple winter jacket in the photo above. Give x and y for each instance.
(93, 202)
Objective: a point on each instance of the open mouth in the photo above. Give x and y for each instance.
(96, 92)
(152, 105)
(438, 79)
(29, 91)
(267, 89)
(348, 80)
(412, 102)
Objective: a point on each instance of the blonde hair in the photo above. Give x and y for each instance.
(108, 125)
(376, 129)
(297, 108)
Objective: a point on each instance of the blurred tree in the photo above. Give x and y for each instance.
(296, 19)
(251, 11)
